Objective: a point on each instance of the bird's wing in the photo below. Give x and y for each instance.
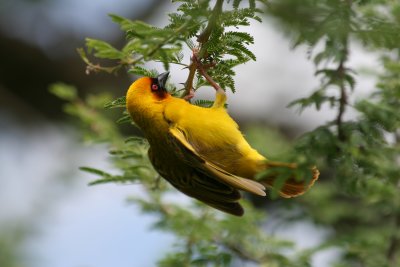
(192, 157)
(197, 184)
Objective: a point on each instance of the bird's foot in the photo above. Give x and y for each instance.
(189, 96)
(195, 59)
(203, 70)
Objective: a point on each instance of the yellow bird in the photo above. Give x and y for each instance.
(201, 151)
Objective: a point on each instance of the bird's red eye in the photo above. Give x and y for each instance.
(154, 87)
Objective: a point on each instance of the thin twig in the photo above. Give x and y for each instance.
(202, 39)
(130, 61)
(205, 74)
(205, 35)
(342, 101)
(189, 80)
(341, 71)
(174, 62)
(239, 251)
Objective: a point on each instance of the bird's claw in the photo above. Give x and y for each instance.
(189, 96)
(203, 72)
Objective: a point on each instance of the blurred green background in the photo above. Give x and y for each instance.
(48, 214)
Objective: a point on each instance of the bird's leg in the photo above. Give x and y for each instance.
(189, 96)
(203, 72)
(209, 65)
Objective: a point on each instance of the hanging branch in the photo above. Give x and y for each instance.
(202, 39)
(203, 72)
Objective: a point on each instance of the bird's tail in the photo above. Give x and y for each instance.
(292, 187)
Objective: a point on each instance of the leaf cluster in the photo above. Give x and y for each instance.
(95, 127)
(224, 48)
(359, 198)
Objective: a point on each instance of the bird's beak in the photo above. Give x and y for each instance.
(162, 79)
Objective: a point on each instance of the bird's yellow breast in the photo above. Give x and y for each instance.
(216, 136)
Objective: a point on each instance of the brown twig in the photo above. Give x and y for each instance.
(203, 72)
(189, 80)
(202, 39)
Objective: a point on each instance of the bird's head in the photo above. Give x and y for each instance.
(145, 94)
(149, 88)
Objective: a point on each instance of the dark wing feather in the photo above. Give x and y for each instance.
(193, 175)
(198, 185)
(193, 158)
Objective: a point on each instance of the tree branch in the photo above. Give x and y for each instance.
(342, 100)
(205, 35)
(203, 72)
(202, 39)
(341, 71)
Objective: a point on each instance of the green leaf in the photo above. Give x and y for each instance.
(114, 179)
(126, 118)
(141, 71)
(125, 24)
(136, 139)
(63, 91)
(83, 55)
(117, 103)
(236, 3)
(240, 37)
(203, 103)
(95, 171)
(103, 49)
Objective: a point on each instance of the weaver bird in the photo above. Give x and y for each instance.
(201, 151)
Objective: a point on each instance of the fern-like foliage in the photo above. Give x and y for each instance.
(146, 42)
(362, 153)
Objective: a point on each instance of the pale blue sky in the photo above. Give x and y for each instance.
(42, 23)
